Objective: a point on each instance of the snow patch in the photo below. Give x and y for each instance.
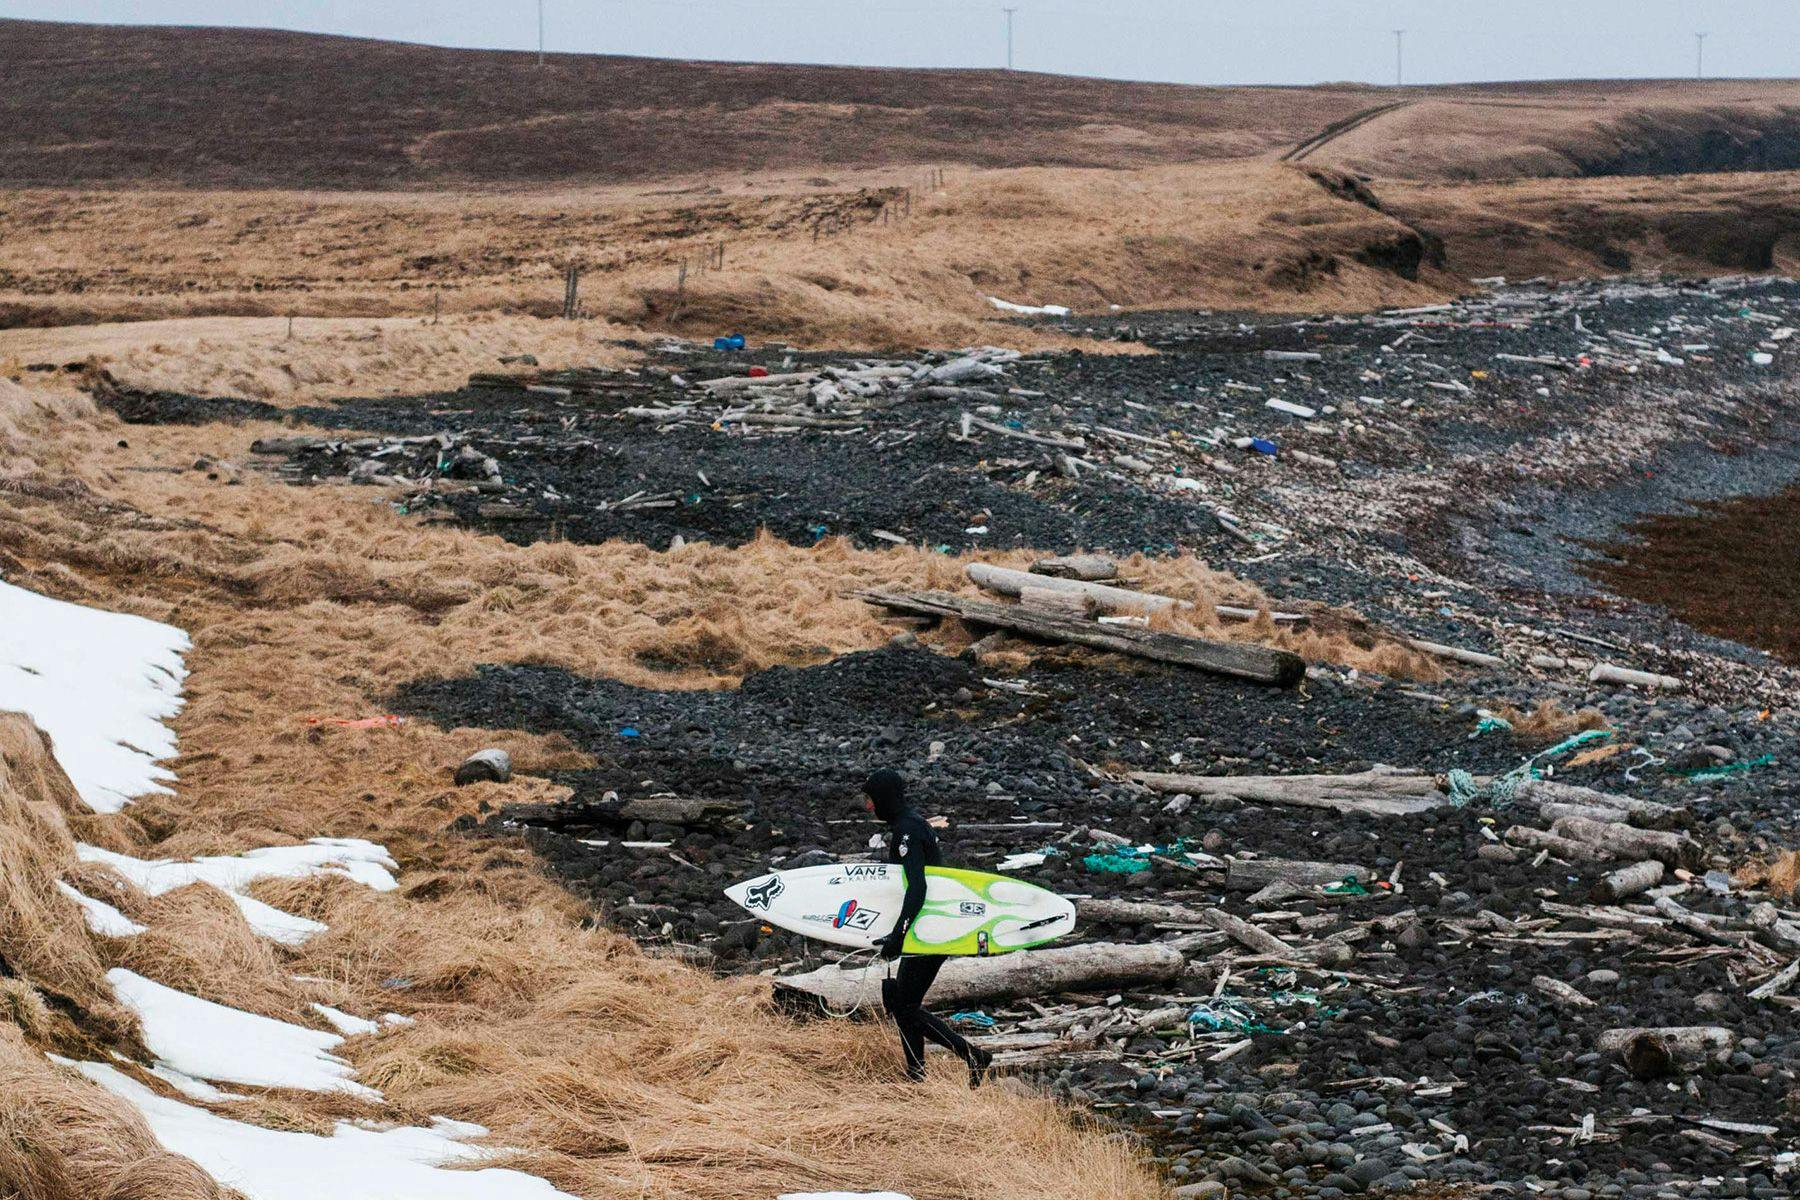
(274, 924)
(365, 862)
(101, 917)
(344, 1022)
(194, 1089)
(1029, 310)
(226, 1045)
(101, 684)
(353, 1164)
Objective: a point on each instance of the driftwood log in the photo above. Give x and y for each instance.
(485, 766)
(1246, 934)
(1566, 848)
(1138, 912)
(1626, 882)
(1008, 582)
(1649, 1053)
(1623, 841)
(1473, 658)
(1004, 976)
(971, 422)
(1607, 673)
(1777, 983)
(1062, 604)
(1689, 1039)
(1547, 792)
(1260, 664)
(1382, 792)
(652, 810)
(1253, 874)
(1077, 566)
(1561, 992)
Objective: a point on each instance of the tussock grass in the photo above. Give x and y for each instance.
(64, 1138)
(1779, 875)
(197, 941)
(626, 1074)
(1549, 721)
(44, 941)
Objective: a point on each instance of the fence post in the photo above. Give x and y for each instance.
(572, 293)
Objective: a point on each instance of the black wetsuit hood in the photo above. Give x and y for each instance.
(888, 792)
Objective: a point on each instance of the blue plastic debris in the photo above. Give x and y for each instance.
(629, 732)
(1265, 446)
(974, 1018)
(733, 342)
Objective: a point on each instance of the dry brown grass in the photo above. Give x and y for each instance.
(64, 1138)
(1549, 721)
(44, 941)
(1784, 873)
(627, 1075)
(257, 358)
(617, 1074)
(1779, 875)
(1566, 130)
(1272, 238)
(196, 940)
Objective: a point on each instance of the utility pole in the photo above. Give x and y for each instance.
(1700, 56)
(540, 33)
(1399, 58)
(1009, 36)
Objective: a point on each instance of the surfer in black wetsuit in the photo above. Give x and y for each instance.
(913, 845)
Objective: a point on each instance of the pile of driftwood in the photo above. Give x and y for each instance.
(842, 398)
(1059, 600)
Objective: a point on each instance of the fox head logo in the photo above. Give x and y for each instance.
(760, 895)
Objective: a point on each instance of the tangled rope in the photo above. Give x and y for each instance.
(1502, 790)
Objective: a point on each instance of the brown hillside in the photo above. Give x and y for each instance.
(87, 104)
(1574, 129)
(257, 108)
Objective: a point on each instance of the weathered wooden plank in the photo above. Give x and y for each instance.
(1261, 664)
(1382, 793)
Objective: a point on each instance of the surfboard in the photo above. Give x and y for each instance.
(856, 905)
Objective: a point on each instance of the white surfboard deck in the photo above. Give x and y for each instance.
(856, 905)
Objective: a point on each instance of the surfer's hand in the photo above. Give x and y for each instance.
(891, 944)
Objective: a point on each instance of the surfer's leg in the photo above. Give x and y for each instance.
(939, 1031)
(933, 1026)
(902, 995)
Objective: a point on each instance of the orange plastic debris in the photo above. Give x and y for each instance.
(388, 720)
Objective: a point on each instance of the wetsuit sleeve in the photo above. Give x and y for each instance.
(911, 850)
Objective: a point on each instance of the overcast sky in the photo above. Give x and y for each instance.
(1186, 41)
